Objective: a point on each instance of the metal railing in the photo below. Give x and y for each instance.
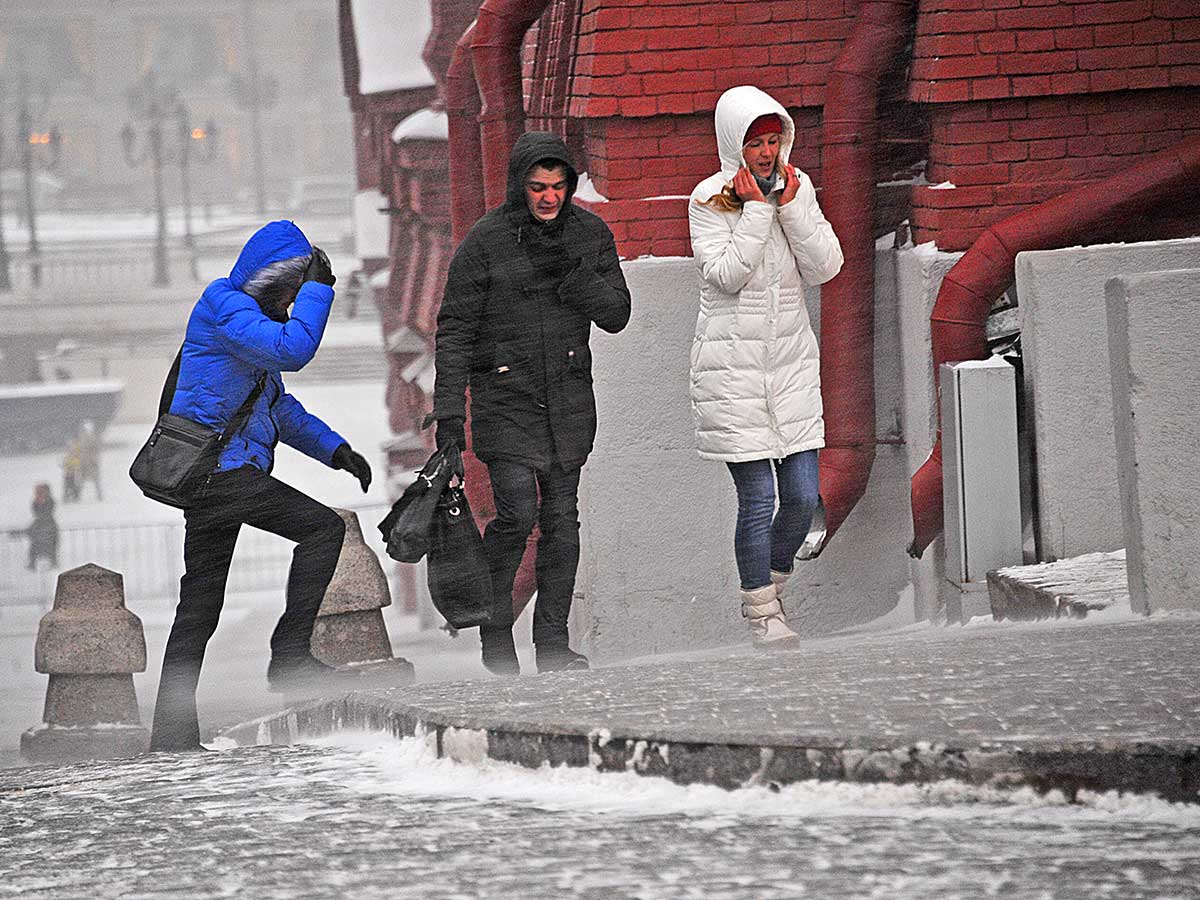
(150, 559)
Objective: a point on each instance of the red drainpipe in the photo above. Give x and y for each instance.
(500, 28)
(486, 63)
(848, 301)
(959, 315)
(466, 157)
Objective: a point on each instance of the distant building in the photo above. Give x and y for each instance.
(76, 63)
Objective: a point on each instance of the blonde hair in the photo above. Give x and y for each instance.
(728, 200)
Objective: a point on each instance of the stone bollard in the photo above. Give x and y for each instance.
(90, 645)
(350, 630)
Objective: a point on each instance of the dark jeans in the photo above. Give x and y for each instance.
(242, 496)
(764, 539)
(515, 488)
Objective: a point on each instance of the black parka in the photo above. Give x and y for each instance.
(515, 327)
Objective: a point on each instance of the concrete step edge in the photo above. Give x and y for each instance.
(1170, 770)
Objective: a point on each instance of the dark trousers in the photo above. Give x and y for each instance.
(515, 488)
(251, 497)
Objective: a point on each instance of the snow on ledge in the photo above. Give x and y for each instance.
(390, 38)
(586, 190)
(423, 125)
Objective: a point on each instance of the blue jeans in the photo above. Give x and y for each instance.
(764, 539)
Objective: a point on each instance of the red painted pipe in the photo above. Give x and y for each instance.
(500, 28)
(957, 323)
(466, 155)
(848, 301)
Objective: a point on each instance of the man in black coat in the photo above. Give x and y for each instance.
(523, 290)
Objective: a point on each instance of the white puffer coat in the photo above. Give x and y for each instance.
(755, 377)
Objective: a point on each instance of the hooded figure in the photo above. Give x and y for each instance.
(758, 236)
(522, 292)
(240, 335)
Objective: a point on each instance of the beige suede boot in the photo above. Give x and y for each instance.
(780, 580)
(768, 628)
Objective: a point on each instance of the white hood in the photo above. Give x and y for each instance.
(737, 108)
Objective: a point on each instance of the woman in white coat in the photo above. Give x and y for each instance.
(758, 236)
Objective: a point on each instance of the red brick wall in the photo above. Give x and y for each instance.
(1024, 98)
(647, 75)
(995, 49)
(1005, 155)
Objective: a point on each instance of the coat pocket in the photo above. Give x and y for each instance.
(579, 362)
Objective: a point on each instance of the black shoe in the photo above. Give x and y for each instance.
(499, 653)
(555, 658)
(299, 673)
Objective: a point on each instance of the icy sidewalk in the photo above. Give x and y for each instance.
(1109, 703)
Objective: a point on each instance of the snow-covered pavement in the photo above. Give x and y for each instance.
(366, 817)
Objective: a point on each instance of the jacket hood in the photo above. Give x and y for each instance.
(274, 242)
(531, 148)
(736, 109)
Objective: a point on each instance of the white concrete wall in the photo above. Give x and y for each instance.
(657, 572)
(919, 274)
(1067, 383)
(1154, 336)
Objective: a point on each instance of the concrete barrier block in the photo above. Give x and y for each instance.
(1067, 386)
(90, 642)
(1154, 333)
(89, 630)
(359, 581)
(90, 645)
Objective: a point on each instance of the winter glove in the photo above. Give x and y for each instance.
(354, 463)
(319, 269)
(450, 431)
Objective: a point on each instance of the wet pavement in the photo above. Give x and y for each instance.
(366, 816)
(1107, 702)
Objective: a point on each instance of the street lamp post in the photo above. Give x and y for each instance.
(199, 141)
(156, 108)
(152, 150)
(28, 143)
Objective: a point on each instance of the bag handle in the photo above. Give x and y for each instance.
(239, 418)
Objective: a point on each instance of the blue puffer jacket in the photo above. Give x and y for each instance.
(230, 342)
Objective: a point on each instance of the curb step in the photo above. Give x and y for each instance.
(1170, 770)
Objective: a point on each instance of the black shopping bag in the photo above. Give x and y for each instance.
(459, 582)
(406, 529)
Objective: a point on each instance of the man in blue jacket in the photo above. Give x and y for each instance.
(239, 332)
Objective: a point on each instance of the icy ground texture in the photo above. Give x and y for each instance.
(365, 817)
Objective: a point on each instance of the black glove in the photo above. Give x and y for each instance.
(450, 431)
(319, 269)
(354, 463)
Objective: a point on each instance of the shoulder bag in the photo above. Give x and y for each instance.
(177, 461)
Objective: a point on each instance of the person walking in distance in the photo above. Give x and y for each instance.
(523, 290)
(758, 236)
(267, 317)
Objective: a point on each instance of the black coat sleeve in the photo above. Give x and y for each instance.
(458, 321)
(598, 287)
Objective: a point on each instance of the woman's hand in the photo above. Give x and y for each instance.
(746, 187)
(792, 186)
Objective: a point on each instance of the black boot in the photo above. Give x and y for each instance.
(559, 658)
(499, 652)
(299, 673)
(176, 728)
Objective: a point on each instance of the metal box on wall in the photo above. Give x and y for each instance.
(981, 481)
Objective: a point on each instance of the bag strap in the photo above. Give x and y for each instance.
(243, 412)
(239, 417)
(168, 391)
